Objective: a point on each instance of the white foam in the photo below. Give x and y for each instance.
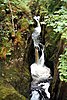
(36, 32)
(35, 95)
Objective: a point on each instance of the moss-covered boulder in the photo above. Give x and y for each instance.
(15, 75)
(7, 92)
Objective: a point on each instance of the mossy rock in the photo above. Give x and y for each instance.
(7, 92)
(10, 73)
(18, 78)
(14, 97)
(15, 71)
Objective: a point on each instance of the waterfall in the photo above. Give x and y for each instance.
(36, 33)
(40, 73)
(41, 60)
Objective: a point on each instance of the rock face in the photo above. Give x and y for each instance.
(57, 87)
(63, 91)
(7, 92)
(15, 75)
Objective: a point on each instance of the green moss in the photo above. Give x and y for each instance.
(7, 92)
(14, 77)
(11, 73)
(18, 79)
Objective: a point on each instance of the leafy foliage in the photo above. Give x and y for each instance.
(63, 66)
(58, 21)
(14, 19)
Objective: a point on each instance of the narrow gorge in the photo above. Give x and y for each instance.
(40, 73)
(33, 49)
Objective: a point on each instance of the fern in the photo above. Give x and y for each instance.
(63, 66)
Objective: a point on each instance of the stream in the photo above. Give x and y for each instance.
(40, 73)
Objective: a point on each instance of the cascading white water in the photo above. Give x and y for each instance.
(36, 33)
(39, 72)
